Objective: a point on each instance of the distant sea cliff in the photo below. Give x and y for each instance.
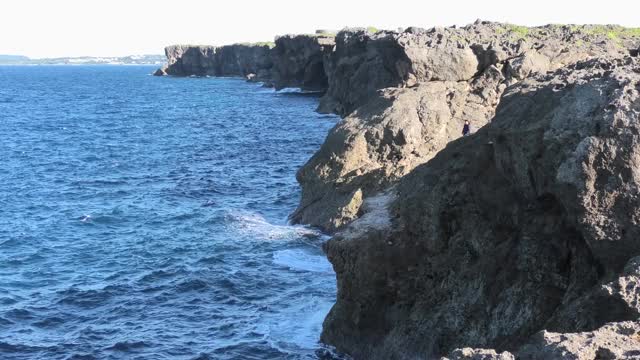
(521, 240)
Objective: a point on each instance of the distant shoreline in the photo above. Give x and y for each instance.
(154, 60)
(149, 65)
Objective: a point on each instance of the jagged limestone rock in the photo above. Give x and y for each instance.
(478, 354)
(505, 233)
(472, 64)
(381, 143)
(614, 341)
(363, 63)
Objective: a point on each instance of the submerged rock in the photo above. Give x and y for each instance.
(531, 224)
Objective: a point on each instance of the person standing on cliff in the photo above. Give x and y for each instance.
(466, 129)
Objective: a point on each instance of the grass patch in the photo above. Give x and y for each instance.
(265, 43)
(270, 44)
(613, 32)
(519, 31)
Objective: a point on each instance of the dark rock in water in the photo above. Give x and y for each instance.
(160, 72)
(530, 224)
(298, 61)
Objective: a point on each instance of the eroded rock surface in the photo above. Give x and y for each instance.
(406, 95)
(382, 141)
(298, 61)
(365, 62)
(294, 61)
(612, 341)
(530, 224)
(230, 60)
(478, 354)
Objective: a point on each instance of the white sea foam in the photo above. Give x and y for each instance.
(296, 91)
(297, 326)
(301, 260)
(256, 225)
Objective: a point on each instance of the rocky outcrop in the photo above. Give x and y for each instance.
(612, 341)
(363, 63)
(294, 61)
(298, 61)
(406, 95)
(394, 132)
(530, 224)
(252, 61)
(478, 354)
(186, 60)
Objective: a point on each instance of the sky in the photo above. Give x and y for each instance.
(57, 28)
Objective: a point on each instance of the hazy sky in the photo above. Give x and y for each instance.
(48, 28)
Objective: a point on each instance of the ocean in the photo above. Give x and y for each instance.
(145, 217)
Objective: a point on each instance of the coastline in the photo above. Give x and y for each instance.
(488, 241)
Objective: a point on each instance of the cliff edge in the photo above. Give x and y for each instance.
(406, 95)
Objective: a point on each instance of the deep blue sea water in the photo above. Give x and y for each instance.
(146, 218)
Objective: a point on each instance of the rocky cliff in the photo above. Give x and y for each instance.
(530, 224)
(364, 62)
(406, 95)
(294, 61)
(298, 61)
(520, 241)
(231, 60)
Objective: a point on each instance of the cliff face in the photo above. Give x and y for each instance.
(231, 60)
(298, 61)
(434, 80)
(186, 60)
(530, 224)
(386, 138)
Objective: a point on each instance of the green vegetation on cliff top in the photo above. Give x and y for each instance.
(270, 44)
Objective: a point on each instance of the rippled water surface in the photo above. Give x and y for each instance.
(146, 218)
